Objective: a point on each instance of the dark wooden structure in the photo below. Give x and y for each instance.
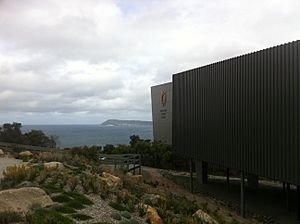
(130, 161)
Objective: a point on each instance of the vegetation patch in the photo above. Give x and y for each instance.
(234, 221)
(81, 217)
(61, 198)
(129, 221)
(79, 197)
(116, 216)
(126, 214)
(10, 217)
(64, 209)
(118, 206)
(46, 216)
(75, 204)
(101, 223)
(51, 188)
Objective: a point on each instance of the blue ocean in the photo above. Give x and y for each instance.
(81, 135)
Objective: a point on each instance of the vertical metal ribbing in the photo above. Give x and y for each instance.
(243, 112)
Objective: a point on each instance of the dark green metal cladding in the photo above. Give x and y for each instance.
(242, 113)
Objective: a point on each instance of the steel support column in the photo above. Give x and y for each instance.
(191, 176)
(242, 194)
(298, 203)
(227, 179)
(288, 196)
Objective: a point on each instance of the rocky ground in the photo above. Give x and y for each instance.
(164, 183)
(82, 194)
(265, 204)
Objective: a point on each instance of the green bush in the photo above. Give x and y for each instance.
(118, 206)
(10, 217)
(116, 216)
(79, 197)
(234, 221)
(73, 182)
(51, 188)
(47, 216)
(90, 153)
(64, 209)
(75, 204)
(61, 198)
(81, 216)
(126, 214)
(129, 221)
(12, 133)
(154, 154)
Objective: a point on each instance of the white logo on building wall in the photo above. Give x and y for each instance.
(163, 102)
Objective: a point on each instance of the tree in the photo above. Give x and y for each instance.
(134, 139)
(11, 133)
(54, 141)
(37, 138)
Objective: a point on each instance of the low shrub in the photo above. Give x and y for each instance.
(61, 198)
(126, 197)
(234, 221)
(73, 182)
(64, 209)
(116, 216)
(218, 217)
(43, 176)
(180, 205)
(126, 214)
(51, 188)
(81, 217)
(56, 156)
(118, 206)
(14, 175)
(75, 204)
(10, 217)
(47, 216)
(129, 221)
(79, 197)
(16, 172)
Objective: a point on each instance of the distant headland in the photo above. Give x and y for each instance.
(131, 123)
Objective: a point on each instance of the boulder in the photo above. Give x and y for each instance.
(20, 200)
(112, 181)
(152, 214)
(53, 165)
(25, 154)
(1, 153)
(204, 217)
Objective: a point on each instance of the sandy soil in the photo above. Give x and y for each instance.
(6, 161)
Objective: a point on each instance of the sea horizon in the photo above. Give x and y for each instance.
(71, 135)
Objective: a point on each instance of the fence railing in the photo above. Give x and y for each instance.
(130, 161)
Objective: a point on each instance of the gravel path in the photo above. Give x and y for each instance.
(5, 161)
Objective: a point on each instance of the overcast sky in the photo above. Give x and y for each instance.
(85, 61)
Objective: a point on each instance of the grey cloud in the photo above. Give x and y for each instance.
(74, 61)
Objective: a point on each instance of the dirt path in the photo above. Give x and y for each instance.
(166, 185)
(6, 161)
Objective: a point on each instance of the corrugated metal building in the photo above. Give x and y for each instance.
(242, 113)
